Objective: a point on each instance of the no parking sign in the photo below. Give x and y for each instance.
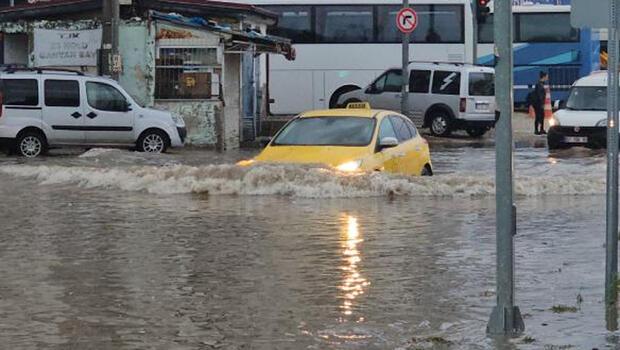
(407, 20)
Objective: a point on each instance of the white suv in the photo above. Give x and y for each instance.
(43, 108)
(442, 96)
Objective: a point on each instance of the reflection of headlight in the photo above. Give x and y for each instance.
(602, 123)
(247, 162)
(350, 167)
(178, 120)
(554, 122)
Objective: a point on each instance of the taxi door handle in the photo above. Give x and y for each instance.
(400, 155)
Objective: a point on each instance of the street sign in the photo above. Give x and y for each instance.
(407, 20)
(591, 14)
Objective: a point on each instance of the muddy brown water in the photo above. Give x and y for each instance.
(118, 250)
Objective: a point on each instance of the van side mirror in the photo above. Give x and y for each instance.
(387, 142)
(371, 89)
(128, 107)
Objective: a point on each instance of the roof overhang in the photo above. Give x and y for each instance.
(212, 8)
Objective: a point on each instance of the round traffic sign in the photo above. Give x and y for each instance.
(407, 20)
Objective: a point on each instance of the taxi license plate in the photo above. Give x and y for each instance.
(574, 139)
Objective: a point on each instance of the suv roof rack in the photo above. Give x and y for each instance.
(41, 70)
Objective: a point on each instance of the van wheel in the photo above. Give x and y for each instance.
(476, 132)
(31, 144)
(440, 124)
(153, 141)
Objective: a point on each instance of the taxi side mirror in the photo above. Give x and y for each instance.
(387, 142)
(264, 141)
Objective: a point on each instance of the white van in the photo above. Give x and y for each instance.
(582, 119)
(44, 108)
(442, 96)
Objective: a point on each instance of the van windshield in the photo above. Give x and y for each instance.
(587, 98)
(481, 84)
(327, 131)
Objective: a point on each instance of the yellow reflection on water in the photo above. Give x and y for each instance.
(353, 284)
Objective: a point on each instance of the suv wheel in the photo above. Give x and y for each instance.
(440, 124)
(31, 145)
(476, 132)
(153, 141)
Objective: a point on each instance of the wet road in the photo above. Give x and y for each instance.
(118, 250)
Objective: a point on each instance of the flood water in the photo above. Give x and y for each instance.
(119, 250)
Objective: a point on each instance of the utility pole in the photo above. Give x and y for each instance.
(404, 107)
(506, 318)
(611, 261)
(109, 45)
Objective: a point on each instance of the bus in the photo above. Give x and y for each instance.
(544, 41)
(342, 45)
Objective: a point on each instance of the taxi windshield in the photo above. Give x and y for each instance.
(327, 131)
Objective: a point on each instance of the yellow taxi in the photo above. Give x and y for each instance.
(353, 139)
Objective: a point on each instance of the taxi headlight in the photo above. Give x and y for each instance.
(350, 167)
(245, 163)
(602, 123)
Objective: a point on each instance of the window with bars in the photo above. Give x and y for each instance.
(187, 73)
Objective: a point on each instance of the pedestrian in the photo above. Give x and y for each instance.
(537, 101)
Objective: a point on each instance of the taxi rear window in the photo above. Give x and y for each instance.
(327, 131)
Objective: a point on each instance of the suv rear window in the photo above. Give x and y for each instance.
(481, 84)
(20, 92)
(447, 83)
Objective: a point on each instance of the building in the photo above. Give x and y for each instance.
(197, 58)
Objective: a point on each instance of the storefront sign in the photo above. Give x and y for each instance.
(66, 47)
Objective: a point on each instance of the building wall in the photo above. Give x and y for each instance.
(137, 48)
(16, 49)
(200, 118)
(232, 100)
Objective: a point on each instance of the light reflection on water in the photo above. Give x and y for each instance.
(354, 283)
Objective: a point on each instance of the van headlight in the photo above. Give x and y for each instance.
(178, 120)
(350, 167)
(554, 122)
(602, 123)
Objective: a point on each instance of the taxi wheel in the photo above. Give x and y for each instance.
(427, 171)
(440, 124)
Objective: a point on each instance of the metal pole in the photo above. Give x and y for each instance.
(611, 262)
(506, 318)
(475, 36)
(110, 42)
(404, 102)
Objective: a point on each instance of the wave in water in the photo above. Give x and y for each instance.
(296, 181)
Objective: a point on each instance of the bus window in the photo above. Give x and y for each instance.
(436, 24)
(344, 24)
(545, 27)
(485, 31)
(294, 22)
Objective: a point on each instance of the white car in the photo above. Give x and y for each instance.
(442, 96)
(582, 121)
(43, 108)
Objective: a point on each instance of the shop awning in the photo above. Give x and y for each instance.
(236, 40)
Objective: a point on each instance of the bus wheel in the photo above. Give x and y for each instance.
(333, 101)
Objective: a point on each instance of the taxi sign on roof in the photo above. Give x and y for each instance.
(358, 105)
